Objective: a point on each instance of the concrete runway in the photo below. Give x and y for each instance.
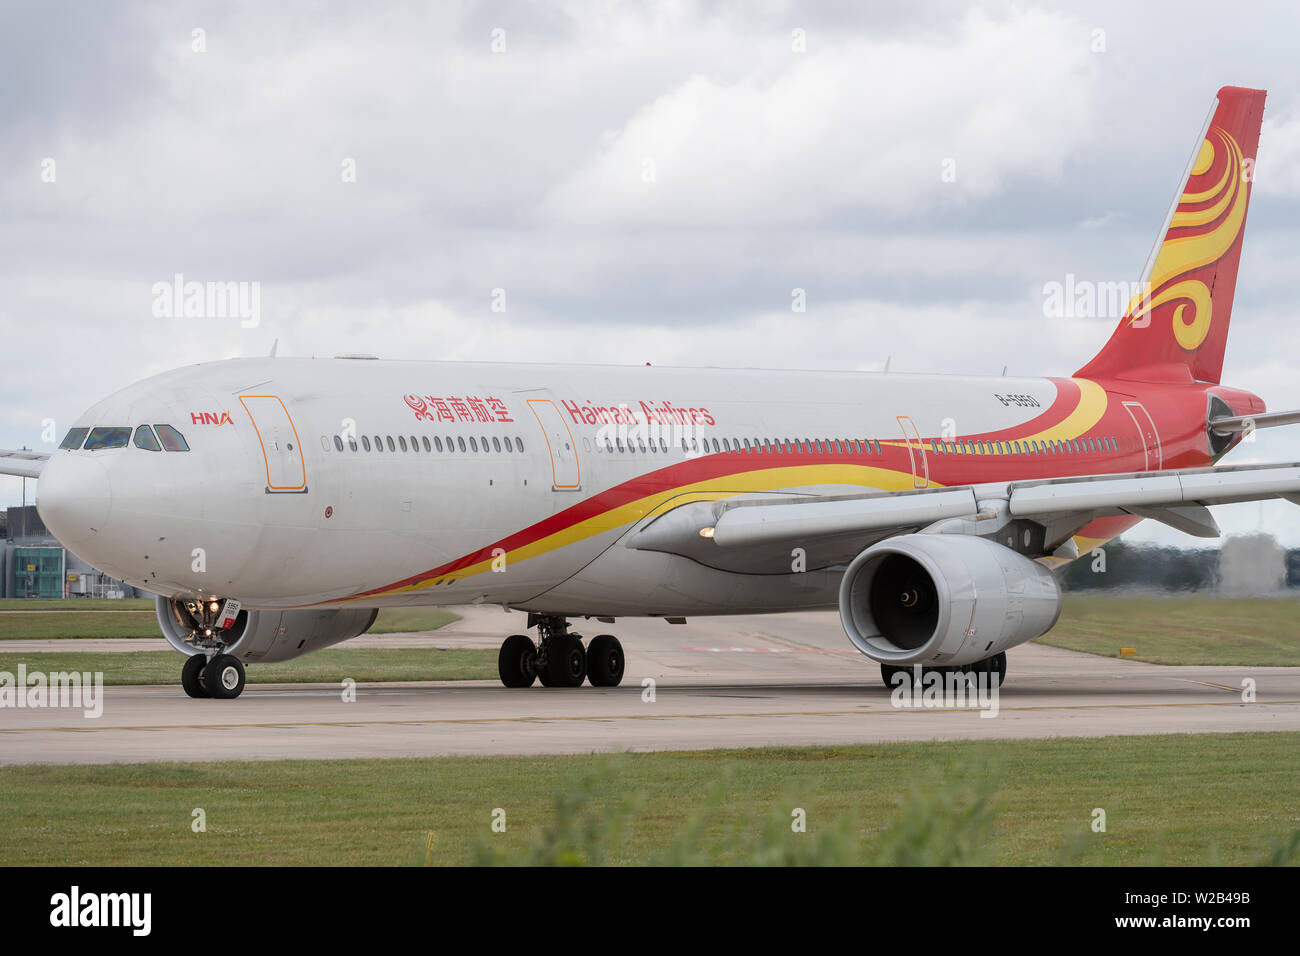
(719, 682)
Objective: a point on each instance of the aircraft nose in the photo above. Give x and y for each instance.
(73, 498)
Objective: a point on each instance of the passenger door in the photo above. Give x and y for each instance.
(1147, 433)
(566, 472)
(281, 450)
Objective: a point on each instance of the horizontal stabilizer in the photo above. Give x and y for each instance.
(23, 464)
(1248, 423)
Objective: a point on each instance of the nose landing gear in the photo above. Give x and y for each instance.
(205, 625)
(560, 659)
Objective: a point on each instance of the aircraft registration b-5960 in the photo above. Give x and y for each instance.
(274, 505)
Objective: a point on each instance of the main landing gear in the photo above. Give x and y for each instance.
(221, 677)
(994, 667)
(559, 660)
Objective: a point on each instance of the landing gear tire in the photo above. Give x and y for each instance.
(605, 661)
(192, 675)
(517, 662)
(889, 674)
(992, 669)
(566, 662)
(223, 677)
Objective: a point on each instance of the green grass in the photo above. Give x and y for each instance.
(328, 666)
(76, 604)
(46, 625)
(394, 619)
(56, 622)
(1180, 799)
(1183, 629)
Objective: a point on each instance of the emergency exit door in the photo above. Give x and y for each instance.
(281, 450)
(916, 452)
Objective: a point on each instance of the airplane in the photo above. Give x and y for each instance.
(273, 505)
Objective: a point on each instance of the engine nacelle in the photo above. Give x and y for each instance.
(944, 599)
(268, 636)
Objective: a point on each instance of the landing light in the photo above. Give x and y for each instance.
(706, 532)
(213, 607)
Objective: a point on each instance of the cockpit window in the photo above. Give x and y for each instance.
(72, 441)
(146, 439)
(108, 436)
(171, 439)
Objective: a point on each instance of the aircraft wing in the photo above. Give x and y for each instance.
(758, 534)
(24, 464)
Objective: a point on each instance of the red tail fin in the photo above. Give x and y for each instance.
(1176, 329)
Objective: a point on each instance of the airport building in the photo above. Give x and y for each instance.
(34, 565)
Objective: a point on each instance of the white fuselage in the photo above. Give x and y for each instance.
(267, 508)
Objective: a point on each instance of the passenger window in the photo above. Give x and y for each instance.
(365, 442)
(146, 439)
(460, 443)
(401, 440)
(473, 445)
(451, 445)
(415, 445)
(379, 443)
(437, 443)
(338, 443)
(352, 443)
(391, 446)
(109, 436)
(73, 439)
(171, 439)
(496, 443)
(519, 443)
(483, 441)
(427, 447)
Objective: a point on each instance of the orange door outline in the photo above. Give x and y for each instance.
(915, 449)
(1147, 433)
(266, 460)
(551, 431)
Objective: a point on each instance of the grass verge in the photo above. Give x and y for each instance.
(1183, 629)
(1181, 799)
(328, 666)
(66, 620)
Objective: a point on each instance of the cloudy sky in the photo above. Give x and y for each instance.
(645, 185)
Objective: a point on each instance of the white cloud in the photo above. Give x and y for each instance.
(1278, 168)
(852, 124)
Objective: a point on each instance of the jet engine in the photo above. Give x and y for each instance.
(944, 600)
(258, 636)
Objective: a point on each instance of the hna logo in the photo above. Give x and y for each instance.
(210, 418)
